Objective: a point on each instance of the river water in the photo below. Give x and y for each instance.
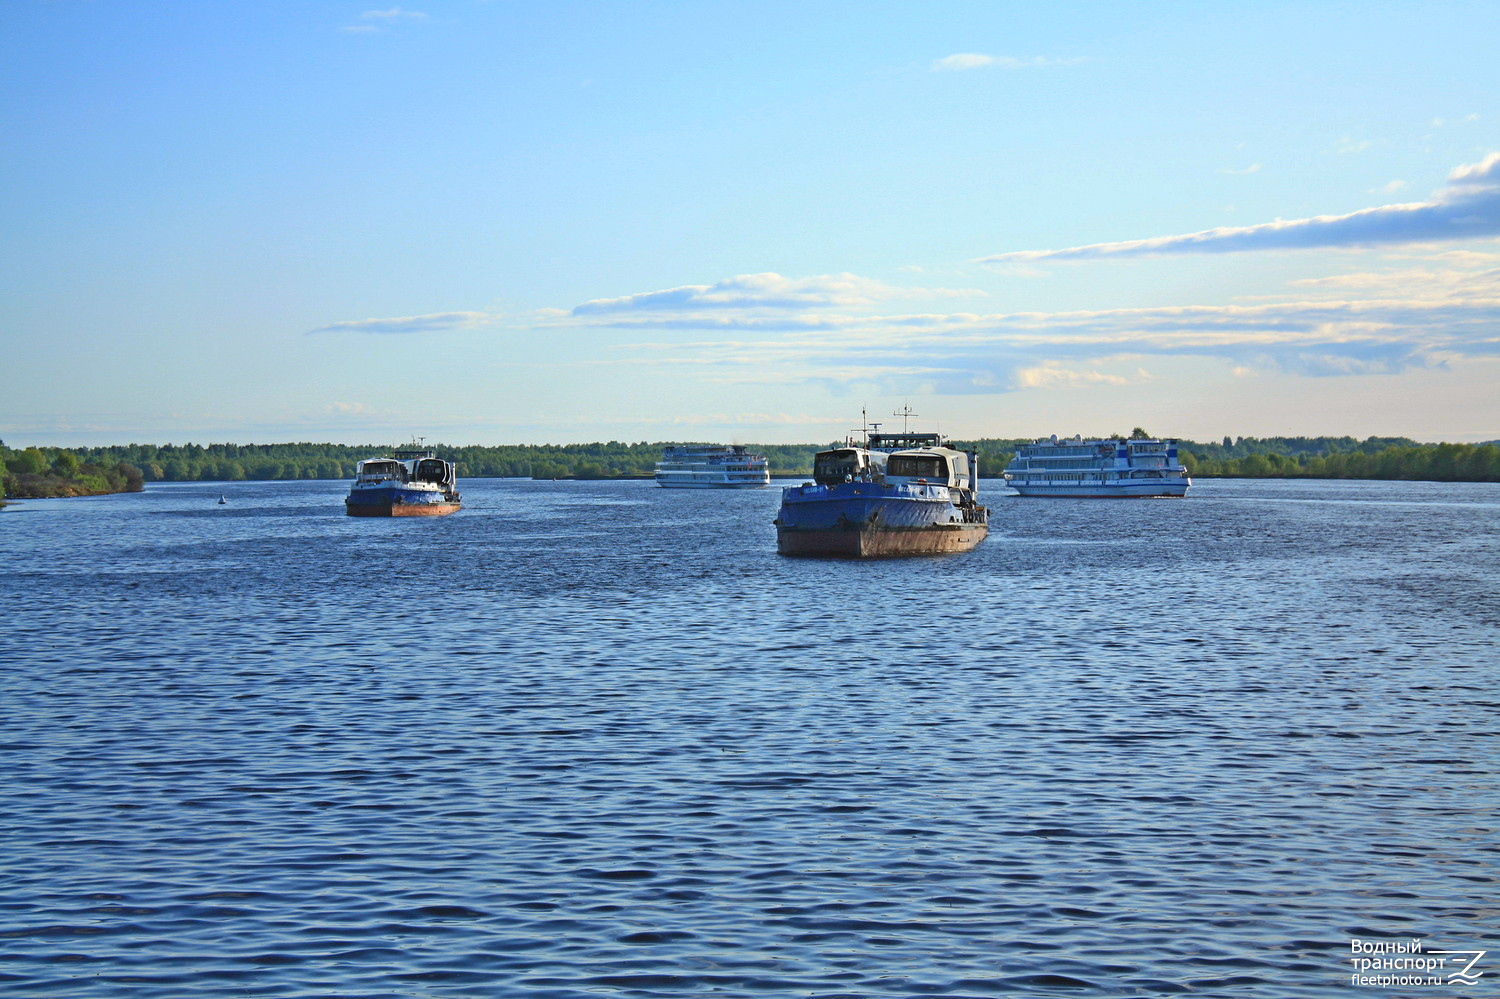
(592, 739)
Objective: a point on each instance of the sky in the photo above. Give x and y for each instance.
(518, 222)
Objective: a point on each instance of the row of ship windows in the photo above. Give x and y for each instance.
(1091, 449)
(690, 469)
(1098, 477)
(1056, 477)
(1058, 452)
(1070, 462)
(1087, 463)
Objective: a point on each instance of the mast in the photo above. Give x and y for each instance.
(865, 427)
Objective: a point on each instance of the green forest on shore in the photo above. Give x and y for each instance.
(35, 473)
(38, 472)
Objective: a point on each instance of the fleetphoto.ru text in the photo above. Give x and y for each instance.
(1395, 963)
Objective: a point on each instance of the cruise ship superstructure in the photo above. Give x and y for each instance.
(1100, 468)
(712, 466)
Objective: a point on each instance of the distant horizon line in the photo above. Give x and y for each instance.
(1215, 440)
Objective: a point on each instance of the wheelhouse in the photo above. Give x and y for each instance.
(846, 464)
(382, 468)
(941, 466)
(433, 470)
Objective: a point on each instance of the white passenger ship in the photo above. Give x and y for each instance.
(1138, 467)
(712, 466)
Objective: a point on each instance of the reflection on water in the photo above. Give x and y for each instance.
(597, 739)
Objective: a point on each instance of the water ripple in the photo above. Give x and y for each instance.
(596, 739)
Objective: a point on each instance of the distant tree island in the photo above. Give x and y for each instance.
(38, 472)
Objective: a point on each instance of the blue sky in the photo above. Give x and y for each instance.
(507, 222)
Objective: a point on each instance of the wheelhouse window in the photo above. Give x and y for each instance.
(917, 466)
(830, 467)
(431, 470)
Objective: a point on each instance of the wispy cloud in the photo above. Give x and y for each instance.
(767, 291)
(1053, 375)
(968, 353)
(766, 303)
(1414, 283)
(376, 20)
(1467, 207)
(960, 61)
(393, 14)
(838, 331)
(433, 323)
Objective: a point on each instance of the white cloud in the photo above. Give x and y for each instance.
(1467, 207)
(767, 291)
(960, 61)
(377, 20)
(434, 322)
(1252, 168)
(1466, 258)
(764, 303)
(965, 353)
(1415, 283)
(1051, 375)
(830, 331)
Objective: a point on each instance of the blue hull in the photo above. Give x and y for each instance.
(863, 503)
(392, 500)
(861, 519)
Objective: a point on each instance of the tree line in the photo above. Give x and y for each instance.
(280, 462)
(1419, 462)
(606, 460)
(37, 472)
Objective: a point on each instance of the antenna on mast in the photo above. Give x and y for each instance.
(906, 414)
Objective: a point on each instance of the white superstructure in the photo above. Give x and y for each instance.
(1108, 468)
(712, 466)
